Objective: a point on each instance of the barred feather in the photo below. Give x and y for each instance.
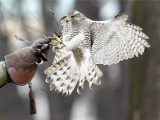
(117, 40)
(89, 43)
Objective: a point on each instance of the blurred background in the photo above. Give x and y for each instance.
(130, 90)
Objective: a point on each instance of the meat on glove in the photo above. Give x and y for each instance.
(19, 67)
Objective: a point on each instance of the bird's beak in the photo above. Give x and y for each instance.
(68, 19)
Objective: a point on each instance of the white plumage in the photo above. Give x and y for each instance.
(89, 43)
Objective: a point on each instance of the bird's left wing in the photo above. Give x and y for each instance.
(115, 40)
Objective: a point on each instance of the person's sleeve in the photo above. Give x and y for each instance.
(4, 78)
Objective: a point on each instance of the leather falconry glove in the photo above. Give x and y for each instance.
(21, 65)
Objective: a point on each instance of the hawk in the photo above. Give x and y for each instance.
(87, 43)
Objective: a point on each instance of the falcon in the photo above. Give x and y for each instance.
(87, 43)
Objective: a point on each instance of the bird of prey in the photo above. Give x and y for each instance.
(87, 43)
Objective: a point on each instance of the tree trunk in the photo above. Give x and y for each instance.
(145, 71)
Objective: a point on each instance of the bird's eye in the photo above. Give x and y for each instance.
(72, 16)
(77, 15)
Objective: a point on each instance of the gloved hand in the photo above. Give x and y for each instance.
(40, 48)
(22, 64)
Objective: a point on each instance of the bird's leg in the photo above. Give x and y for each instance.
(56, 38)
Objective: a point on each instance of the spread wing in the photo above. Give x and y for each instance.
(115, 40)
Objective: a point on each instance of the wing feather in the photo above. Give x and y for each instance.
(115, 40)
(62, 75)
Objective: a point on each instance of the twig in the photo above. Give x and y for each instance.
(55, 22)
(26, 41)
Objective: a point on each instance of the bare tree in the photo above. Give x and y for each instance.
(145, 72)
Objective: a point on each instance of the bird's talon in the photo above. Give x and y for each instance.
(56, 38)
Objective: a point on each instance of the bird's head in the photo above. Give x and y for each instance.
(72, 17)
(76, 16)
